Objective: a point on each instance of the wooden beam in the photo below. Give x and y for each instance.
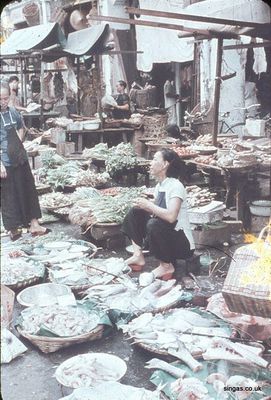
(146, 23)
(219, 54)
(247, 46)
(190, 17)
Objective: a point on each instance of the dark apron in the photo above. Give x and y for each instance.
(15, 149)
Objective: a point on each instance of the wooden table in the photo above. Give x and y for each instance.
(28, 117)
(236, 179)
(125, 134)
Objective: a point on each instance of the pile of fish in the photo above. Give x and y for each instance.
(83, 371)
(16, 269)
(113, 391)
(83, 271)
(64, 321)
(57, 251)
(208, 386)
(183, 333)
(127, 296)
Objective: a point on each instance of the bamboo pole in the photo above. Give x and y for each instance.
(190, 17)
(217, 88)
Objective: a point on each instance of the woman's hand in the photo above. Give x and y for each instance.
(144, 204)
(3, 171)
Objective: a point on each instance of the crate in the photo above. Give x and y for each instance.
(196, 217)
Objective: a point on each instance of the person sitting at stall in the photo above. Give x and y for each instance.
(19, 198)
(164, 223)
(122, 109)
(14, 100)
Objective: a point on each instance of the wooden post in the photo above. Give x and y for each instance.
(78, 87)
(99, 91)
(217, 88)
(42, 67)
(22, 80)
(25, 85)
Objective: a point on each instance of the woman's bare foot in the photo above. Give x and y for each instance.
(136, 260)
(164, 271)
(36, 228)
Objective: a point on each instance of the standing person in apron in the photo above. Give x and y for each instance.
(19, 199)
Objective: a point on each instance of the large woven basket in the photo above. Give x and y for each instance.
(52, 344)
(25, 283)
(252, 298)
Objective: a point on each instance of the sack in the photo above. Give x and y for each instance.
(247, 287)
(108, 101)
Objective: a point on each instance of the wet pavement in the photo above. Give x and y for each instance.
(30, 376)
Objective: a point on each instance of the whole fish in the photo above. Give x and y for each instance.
(245, 351)
(155, 363)
(184, 355)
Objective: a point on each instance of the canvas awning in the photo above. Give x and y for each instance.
(51, 38)
(35, 37)
(86, 41)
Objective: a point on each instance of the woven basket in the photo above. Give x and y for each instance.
(154, 125)
(251, 299)
(25, 283)
(52, 344)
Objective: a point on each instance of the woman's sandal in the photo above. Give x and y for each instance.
(15, 236)
(47, 230)
(136, 268)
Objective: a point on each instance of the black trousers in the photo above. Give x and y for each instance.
(164, 242)
(19, 198)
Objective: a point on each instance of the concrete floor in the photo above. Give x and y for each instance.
(30, 376)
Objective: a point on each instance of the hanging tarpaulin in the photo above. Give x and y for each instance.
(253, 11)
(163, 45)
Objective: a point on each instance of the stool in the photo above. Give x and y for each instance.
(190, 265)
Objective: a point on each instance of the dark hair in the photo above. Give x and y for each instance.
(175, 163)
(173, 131)
(122, 83)
(13, 78)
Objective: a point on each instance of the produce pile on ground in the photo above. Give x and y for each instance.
(197, 197)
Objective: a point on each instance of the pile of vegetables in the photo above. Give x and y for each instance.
(50, 159)
(66, 174)
(120, 158)
(55, 200)
(105, 209)
(90, 178)
(100, 151)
